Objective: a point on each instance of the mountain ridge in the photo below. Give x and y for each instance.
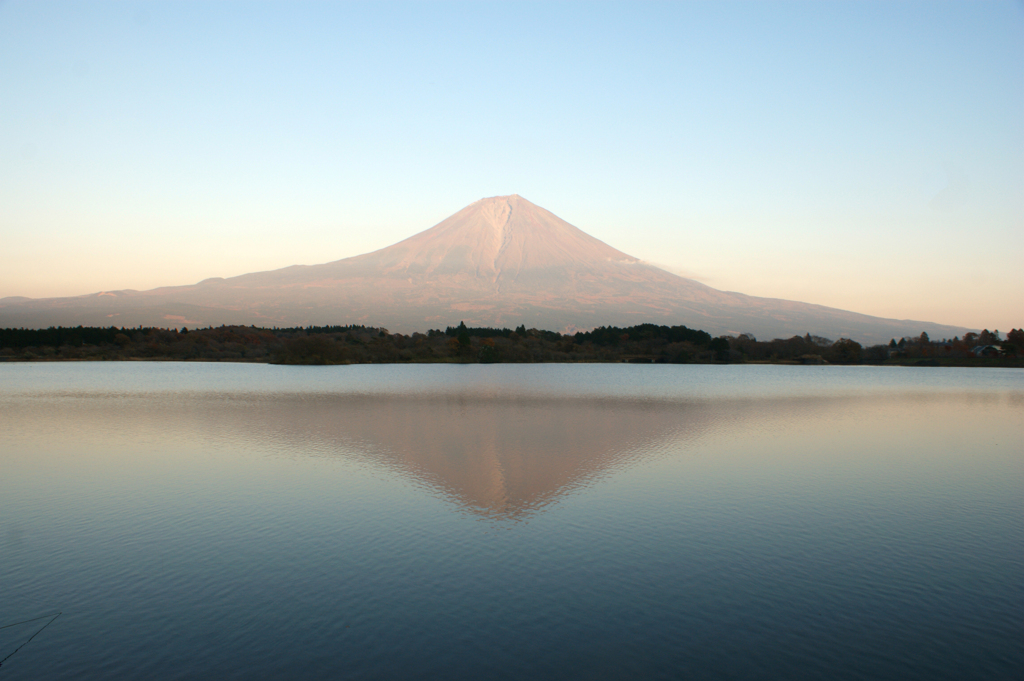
(500, 261)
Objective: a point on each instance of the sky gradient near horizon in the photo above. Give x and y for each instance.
(865, 156)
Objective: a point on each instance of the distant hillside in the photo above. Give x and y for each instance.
(501, 261)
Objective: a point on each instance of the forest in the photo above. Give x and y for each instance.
(356, 344)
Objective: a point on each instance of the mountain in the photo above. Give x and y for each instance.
(501, 261)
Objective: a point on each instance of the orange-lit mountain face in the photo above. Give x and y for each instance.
(501, 261)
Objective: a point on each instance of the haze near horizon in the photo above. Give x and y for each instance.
(867, 157)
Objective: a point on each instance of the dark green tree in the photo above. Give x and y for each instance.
(845, 351)
(987, 337)
(720, 346)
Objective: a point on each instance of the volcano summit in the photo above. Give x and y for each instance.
(501, 261)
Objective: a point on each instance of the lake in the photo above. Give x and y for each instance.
(240, 521)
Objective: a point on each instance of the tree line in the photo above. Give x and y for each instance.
(908, 350)
(366, 344)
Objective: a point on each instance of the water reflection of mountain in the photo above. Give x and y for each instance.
(494, 456)
(503, 457)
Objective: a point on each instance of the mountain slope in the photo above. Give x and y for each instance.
(501, 261)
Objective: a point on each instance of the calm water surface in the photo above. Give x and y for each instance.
(542, 521)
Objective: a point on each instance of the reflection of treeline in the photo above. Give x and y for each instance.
(363, 344)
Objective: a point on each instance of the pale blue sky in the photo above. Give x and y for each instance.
(868, 156)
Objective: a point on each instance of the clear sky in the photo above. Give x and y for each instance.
(867, 156)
